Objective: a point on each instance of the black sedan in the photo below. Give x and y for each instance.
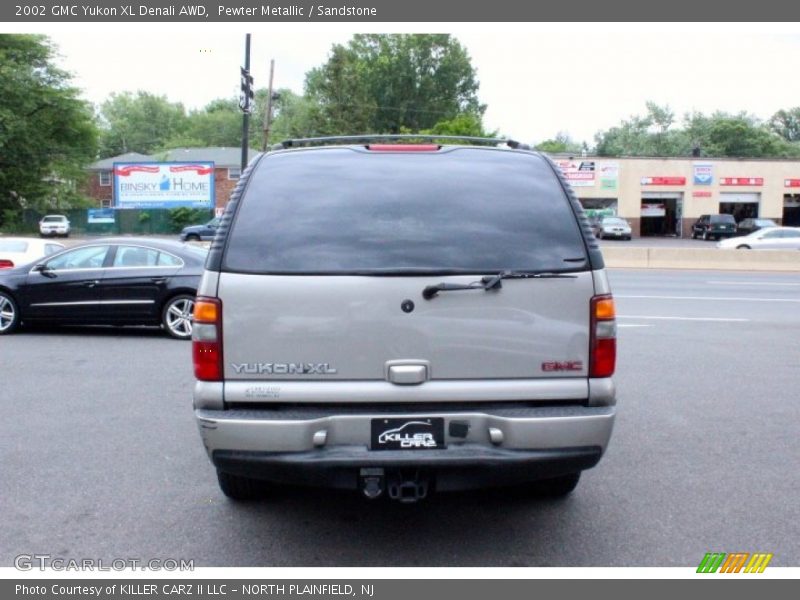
(127, 281)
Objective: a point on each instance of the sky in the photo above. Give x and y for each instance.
(537, 79)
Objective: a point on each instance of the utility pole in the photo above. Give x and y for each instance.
(268, 111)
(246, 100)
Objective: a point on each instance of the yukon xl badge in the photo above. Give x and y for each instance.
(283, 368)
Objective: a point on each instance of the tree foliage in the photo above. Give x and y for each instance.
(560, 144)
(786, 123)
(140, 122)
(720, 134)
(47, 134)
(387, 83)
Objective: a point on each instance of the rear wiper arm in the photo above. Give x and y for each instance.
(431, 290)
(490, 282)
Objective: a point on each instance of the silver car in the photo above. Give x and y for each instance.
(403, 317)
(768, 238)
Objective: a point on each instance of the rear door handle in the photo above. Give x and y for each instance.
(158, 279)
(91, 284)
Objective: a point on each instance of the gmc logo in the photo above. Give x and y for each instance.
(558, 365)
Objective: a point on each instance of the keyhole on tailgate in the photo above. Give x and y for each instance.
(406, 306)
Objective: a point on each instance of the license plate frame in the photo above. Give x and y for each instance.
(414, 433)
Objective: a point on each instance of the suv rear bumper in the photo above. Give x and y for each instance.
(279, 445)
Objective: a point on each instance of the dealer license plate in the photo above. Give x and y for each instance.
(407, 434)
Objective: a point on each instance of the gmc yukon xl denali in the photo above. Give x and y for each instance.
(401, 318)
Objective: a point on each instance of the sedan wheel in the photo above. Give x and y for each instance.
(177, 316)
(9, 314)
(743, 247)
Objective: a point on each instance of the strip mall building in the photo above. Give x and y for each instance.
(665, 196)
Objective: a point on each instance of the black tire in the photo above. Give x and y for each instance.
(705, 236)
(9, 314)
(743, 247)
(176, 316)
(694, 234)
(556, 487)
(192, 238)
(240, 488)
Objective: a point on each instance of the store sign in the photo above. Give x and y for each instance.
(164, 185)
(701, 194)
(791, 183)
(653, 209)
(609, 175)
(578, 173)
(703, 173)
(663, 180)
(741, 181)
(100, 215)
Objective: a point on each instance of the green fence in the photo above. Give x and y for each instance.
(125, 221)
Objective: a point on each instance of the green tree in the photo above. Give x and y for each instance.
(741, 135)
(387, 83)
(140, 122)
(786, 123)
(648, 135)
(467, 124)
(560, 144)
(218, 124)
(720, 134)
(47, 134)
(294, 117)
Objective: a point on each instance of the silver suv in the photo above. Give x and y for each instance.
(403, 317)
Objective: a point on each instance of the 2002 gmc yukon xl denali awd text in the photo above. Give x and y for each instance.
(398, 317)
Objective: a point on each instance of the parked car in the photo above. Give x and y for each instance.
(376, 340)
(196, 233)
(769, 238)
(52, 225)
(714, 227)
(110, 282)
(613, 227)
(15, 251)
(747, 226)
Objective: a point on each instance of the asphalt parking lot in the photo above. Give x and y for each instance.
(102, 458)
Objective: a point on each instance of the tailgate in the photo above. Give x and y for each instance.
(328, 328)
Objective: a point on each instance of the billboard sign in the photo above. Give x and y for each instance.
(578, 173)
(164, 185)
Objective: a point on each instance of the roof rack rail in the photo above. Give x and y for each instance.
(371, 138)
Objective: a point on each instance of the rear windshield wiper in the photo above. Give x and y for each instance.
(491, 282)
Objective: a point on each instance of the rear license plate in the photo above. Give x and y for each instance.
(407, 434)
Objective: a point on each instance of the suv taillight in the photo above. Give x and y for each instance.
(207, 339)
(603, 357)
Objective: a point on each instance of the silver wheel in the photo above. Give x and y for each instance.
(177, 317)
(9, 315)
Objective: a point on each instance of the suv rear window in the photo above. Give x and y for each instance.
(722, 219)
(345, 210)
